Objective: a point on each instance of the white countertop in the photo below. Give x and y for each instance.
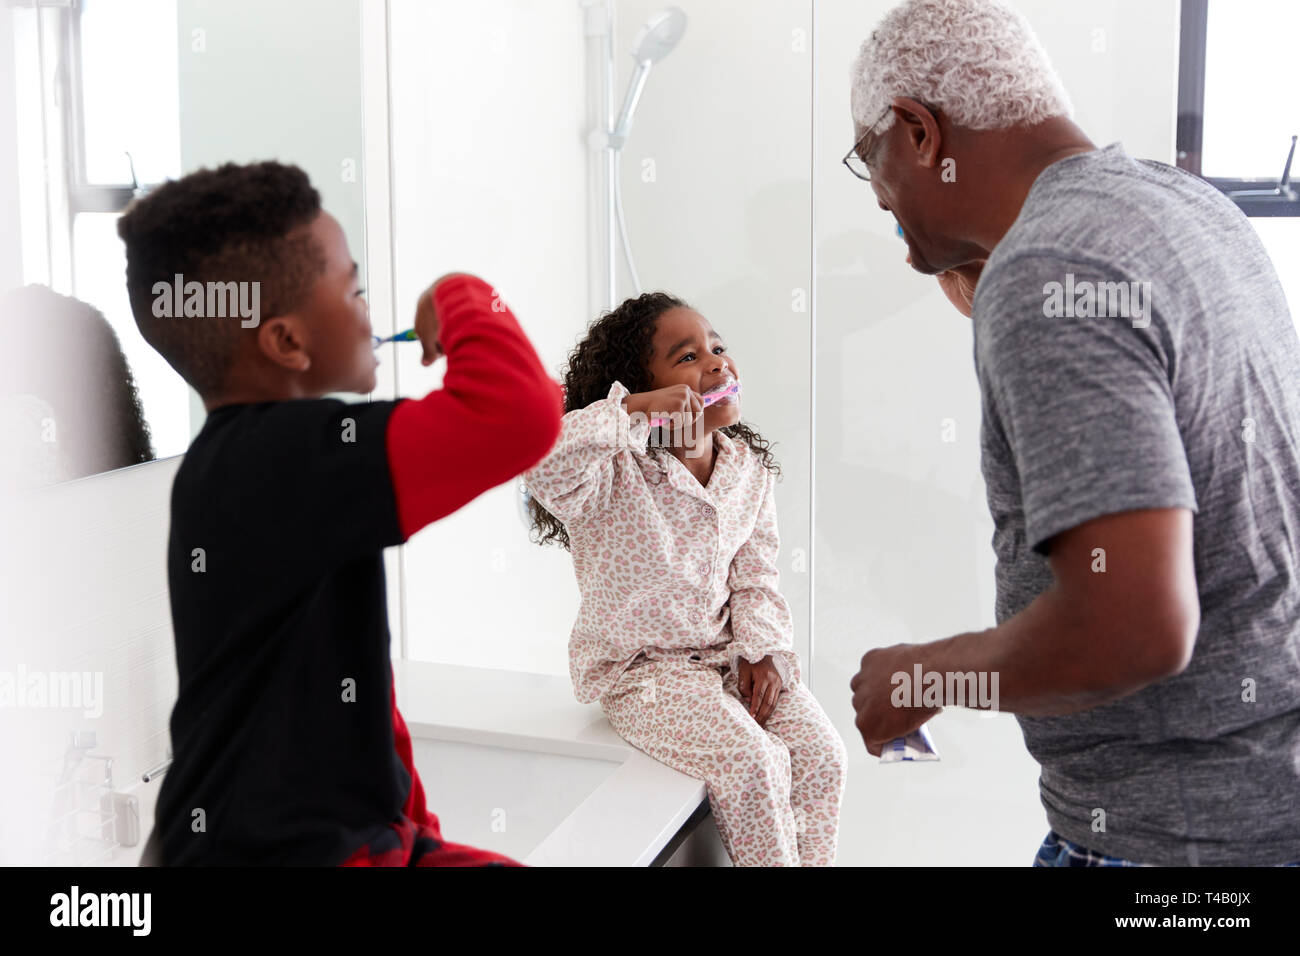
(630, 816)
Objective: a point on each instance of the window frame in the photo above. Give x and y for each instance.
(83, 196)
(1191, 121)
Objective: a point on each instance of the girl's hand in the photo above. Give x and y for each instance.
(959, 285)
(681, 400)
(760, 684)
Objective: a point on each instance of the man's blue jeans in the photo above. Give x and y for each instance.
(1058, 851)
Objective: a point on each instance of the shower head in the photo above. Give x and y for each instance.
(655, 41)
(659, 35)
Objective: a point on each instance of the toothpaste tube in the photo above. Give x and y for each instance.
(915, 746)
(708, 398)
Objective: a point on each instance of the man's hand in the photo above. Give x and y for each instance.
(878, 720)
(760, 684)
(427, 325)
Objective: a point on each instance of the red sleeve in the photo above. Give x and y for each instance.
(496, 415)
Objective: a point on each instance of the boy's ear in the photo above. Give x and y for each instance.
(283, 340)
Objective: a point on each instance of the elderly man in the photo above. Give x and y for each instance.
(1140, 442)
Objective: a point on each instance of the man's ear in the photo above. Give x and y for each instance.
(283, 340)
(920, 129)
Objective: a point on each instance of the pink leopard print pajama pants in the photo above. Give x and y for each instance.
(775, 792)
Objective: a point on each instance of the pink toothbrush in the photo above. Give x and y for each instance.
(709, 399)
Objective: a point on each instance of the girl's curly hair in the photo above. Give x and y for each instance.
(65, 352)
(618, 347)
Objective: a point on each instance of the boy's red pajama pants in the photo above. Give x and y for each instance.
(415, 838)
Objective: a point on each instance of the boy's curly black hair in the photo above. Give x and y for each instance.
(618, 347)
(235, 223)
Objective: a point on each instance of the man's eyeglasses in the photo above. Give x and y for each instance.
(854, 161)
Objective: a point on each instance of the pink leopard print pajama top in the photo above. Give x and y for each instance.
(665, 565)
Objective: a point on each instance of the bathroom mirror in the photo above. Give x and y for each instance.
(105, 99)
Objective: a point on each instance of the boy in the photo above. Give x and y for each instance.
(288, 745)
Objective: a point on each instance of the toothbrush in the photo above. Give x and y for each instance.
(407, 336)
(709, 399)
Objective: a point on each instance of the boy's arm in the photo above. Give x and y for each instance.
(761, 622)
(577, 477)
(497, 412)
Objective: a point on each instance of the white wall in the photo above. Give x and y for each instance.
(11, 256)
(717, 183)
(490, 176)
(902, 548)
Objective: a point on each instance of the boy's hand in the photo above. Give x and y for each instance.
(427, 325)
(760, 684)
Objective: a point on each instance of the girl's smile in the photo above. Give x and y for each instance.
(687, 351)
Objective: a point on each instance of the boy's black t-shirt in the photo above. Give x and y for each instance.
(282, 732)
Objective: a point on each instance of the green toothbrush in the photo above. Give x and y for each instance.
(407, 336)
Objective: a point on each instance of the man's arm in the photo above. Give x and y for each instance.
(1086, 410)
(1093, 636)
(1088, 413)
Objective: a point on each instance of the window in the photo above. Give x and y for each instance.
(99, 121)
(1238, 117)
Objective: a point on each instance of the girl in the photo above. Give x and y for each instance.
(682, 633)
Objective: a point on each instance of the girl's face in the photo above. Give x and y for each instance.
(688, 352)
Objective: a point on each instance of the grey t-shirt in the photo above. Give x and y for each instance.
(1186, 395)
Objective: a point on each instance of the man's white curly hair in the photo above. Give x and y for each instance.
(976, 60)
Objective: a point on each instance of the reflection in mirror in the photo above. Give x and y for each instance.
(111, 98)
(70, 405)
